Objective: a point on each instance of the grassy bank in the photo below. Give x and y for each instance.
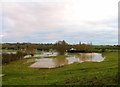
(88, 73)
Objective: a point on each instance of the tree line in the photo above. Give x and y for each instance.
(59, 45)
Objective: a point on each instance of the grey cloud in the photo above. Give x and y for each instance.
(44, 21)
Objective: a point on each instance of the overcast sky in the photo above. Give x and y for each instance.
(47, 21)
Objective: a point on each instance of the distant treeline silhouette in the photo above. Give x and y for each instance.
(46, 47)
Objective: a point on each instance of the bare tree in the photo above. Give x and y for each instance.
(61, 47)
(30, 49)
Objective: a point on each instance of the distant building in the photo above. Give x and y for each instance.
(72, 49)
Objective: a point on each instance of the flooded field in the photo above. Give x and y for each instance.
(8, 52)
(72, 68)
(44, 54)
(57, 62)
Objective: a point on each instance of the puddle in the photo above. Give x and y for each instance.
(57, 62)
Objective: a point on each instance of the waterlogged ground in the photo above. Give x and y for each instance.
(70, 59)
(86, 73)
(43, 54)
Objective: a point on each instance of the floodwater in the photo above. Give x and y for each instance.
(8, 52)
(44, 54)
(57, 62)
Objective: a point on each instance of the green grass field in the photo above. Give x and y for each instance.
(87, 73)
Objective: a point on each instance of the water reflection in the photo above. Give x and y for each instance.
(60, 61)
(91, 57)
(57, 62)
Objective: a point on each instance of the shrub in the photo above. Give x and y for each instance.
(7, 58)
